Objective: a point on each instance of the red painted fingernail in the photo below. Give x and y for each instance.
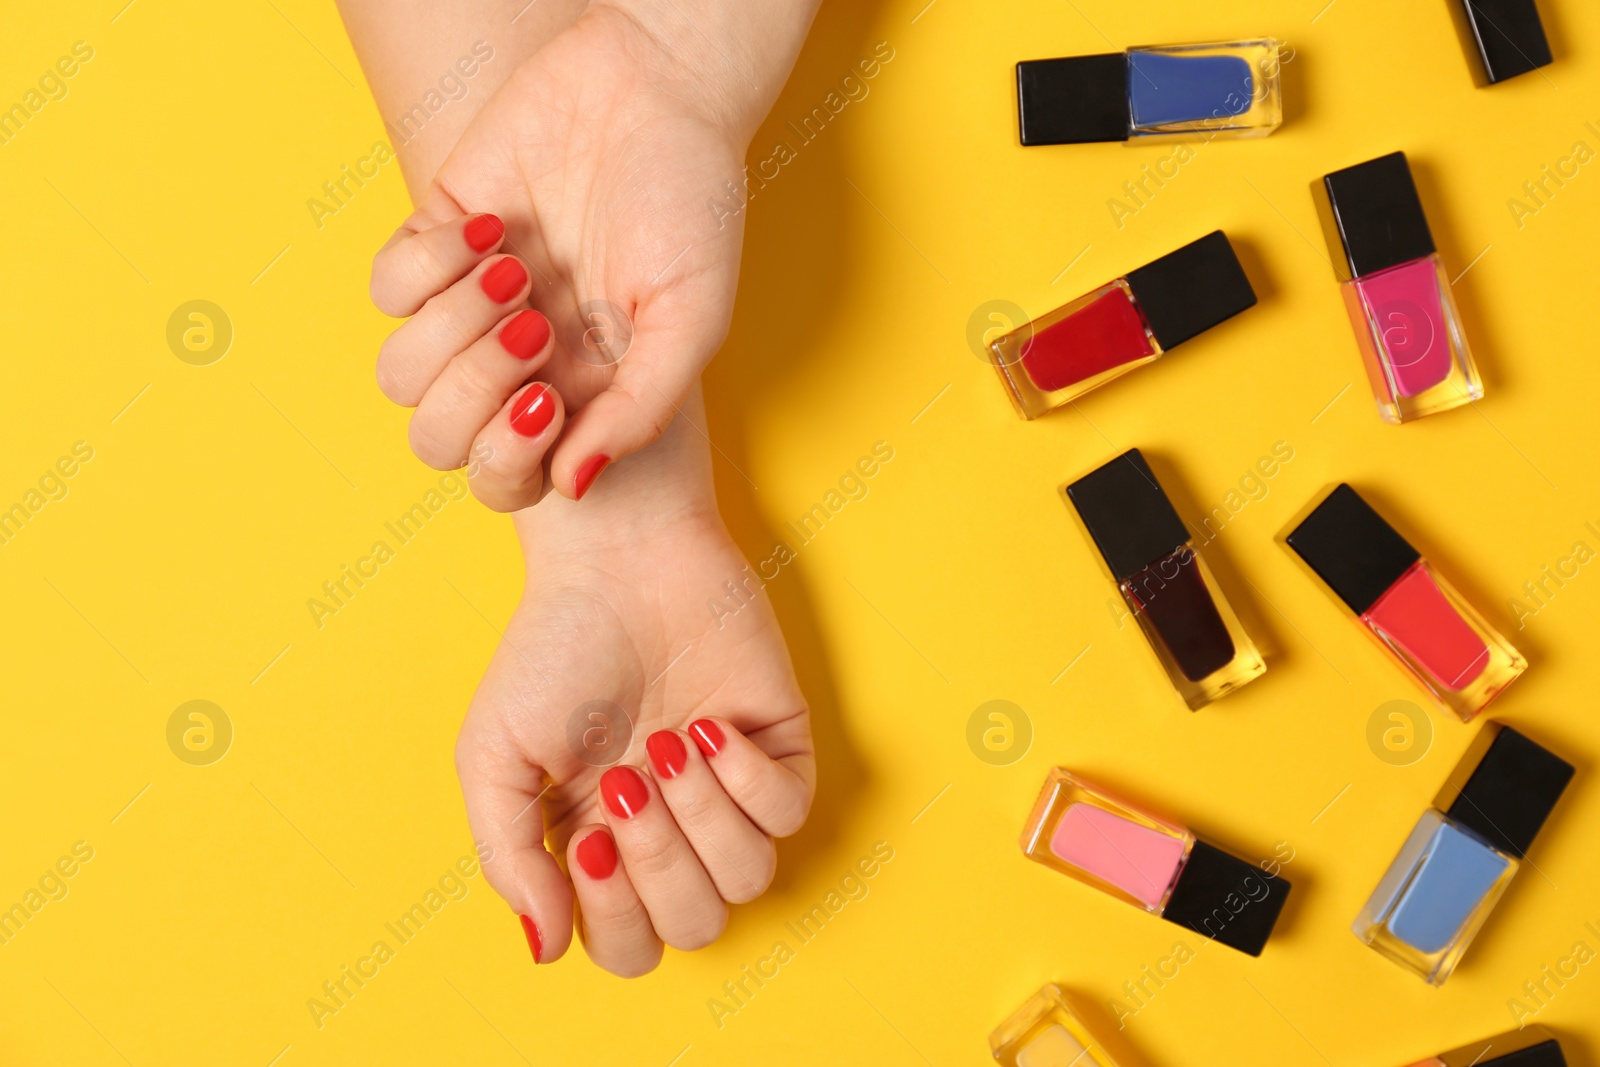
(483, 232)
(504, 280)
(707, 735)
(597, 855)
(525, 334)
(667, 753)
(535, 942)
(624, 791)
(588, 473)
(533, 410)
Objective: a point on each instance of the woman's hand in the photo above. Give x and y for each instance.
(627, 613)
(614, 156)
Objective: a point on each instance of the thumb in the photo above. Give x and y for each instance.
(502, 789)
(655, 372)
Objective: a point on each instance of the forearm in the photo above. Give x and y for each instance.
(410, 49)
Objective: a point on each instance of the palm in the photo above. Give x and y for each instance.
(604, 174)
(636, 632)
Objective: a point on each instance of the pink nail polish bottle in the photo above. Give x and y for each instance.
(1397, 292)
(1089, 834)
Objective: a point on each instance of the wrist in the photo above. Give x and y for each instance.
(638, 499)
(732, 56)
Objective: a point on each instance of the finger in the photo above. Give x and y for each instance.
(508, 472)
(684, 906)
(413, 265)
(475, 385)
(655, 375)
(501, 791)
(739, 858)
(414, 355)
(616, 929)
(775, 794)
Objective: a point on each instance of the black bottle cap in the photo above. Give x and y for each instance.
(1378, 215)
(1073, 100)
(1532, 1046)
(1187, 292)
(1131, 520)
(1352, 549)
(1233, 902)
(1509, 36)
(1505, 788)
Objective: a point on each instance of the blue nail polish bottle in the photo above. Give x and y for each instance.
(1464, 851)
(1198, 91)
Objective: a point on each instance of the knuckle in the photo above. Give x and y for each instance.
(393, 381)
(752, 877)
(696, 806)
(429, 445)
(699, 930)
(651, 854)
(634, 966)
(474, 381)
(426, 270)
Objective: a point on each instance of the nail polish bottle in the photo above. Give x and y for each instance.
(1413, 612)
(1463, 853)
(1227, 89)
(1506, 36)
(1397, 292)
(1532, 1046)
(1088, 834)
(1121, 326)
(1045, 1032)
(1164, 580)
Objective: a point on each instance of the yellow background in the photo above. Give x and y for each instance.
(178, 566)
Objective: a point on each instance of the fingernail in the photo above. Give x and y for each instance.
(525, 334)
(504, 280)
(588, 473)
(535, 942)
(624, 791)
(667, 753)
(597, 855)
(533, 410)
(483, 232)
(707, 735)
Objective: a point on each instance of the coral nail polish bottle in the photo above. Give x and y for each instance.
(1464, 851)
(1228, 89)
(1414, 613)
(1532, 1046)
(1164, 580)
(1507, 36)
(1088, 834)
(1045, 1032)
(1121, 326)
(1397, 292)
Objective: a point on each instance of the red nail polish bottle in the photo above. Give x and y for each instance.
(1397, 292)
(1121, 326)
(1164, 581)
(1414, 613)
